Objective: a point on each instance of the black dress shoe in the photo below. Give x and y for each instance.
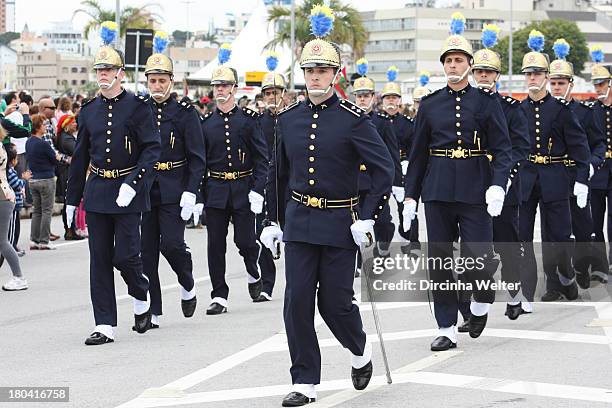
(296, 399)
(570, 291)
(513, 311)
(189, 306)
(477, 325)
(361, 376)
(151, 326)
(442, 343)
(261, 298)
(465, 327)
(255, 289)
(215, 309)
(551, 296)
(583, 280)
(97, 338)
(142, 322)
(596, 277)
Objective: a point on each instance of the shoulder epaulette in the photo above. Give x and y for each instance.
(485, 91)
(88, 102)
(588, 104)
(382, 115)
(562, 101)
(288, 108)
(205, 116)
(142, 98)
(351, 107)
(409, 118)
(429, 95)
(510, 100)
(185, 105)
(250, 112)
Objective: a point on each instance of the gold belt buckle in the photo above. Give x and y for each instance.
(108, 174)
(609, 154)
(230, 175)
(362, 167)
(540, 159)
(313, 201)
(458, 153)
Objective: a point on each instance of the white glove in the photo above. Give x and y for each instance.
(408, 214)
(591, 171)
(256, 201)
(198, 209)
(494, 197)
(508, 184)
(404, 164)
(70, 210)
(188, 201)
(398, 193)
(125, 196)
(363, 232)
(270, 235)
(581, 191)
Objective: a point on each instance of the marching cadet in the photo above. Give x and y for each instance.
(486, 71)
(364, 91)
(119, 143)
(236, 161)
(601, 183)
(176, 179)
(273, 87)
(391, 103)
(561, 84)
(556, 137)
(458, 127)
(320, 141)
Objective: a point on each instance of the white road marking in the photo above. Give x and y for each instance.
(530, 388)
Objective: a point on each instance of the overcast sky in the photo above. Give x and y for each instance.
(39, 13)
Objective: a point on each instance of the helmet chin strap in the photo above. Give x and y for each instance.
(276, 105)
(604, 97)
(454, 79)
(538, 88)
(485, 85)
(223, 99)
(104, 86)
(160, 94)
(368, 106)
(321, 92)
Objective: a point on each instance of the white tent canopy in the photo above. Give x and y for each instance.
(248, 52)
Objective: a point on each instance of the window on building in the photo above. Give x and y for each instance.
(74, 82)
(74, 70)
(83, 70)
(394, 24)
(193, 64)
(390, 45)
(402, 65)
(83, 82)
(64, 70)
(39, 57)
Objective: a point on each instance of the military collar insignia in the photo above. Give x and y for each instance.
(229, 113)
(287, 108)
(250, 112)
(116, 98)
(329, 102)
(459, 92)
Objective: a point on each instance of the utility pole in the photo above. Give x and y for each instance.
(118, 22)
(292, 80)
(510, 54)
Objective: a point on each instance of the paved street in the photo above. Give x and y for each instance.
(555, 357)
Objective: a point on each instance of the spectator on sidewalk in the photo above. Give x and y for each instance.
(66, 142)
(42, 160)
(7, 204)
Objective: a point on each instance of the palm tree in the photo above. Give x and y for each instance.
(348, 26)
(130, 17)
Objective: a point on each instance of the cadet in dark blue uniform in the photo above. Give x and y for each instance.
(321, 143)
(556, 137)
(363, 88)
(119, 143)
(601, 183)
(486, 71)
(403, 126)
(177, 176)
(273, 89)
(458, 127)
(561, 84)
(236, 159)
